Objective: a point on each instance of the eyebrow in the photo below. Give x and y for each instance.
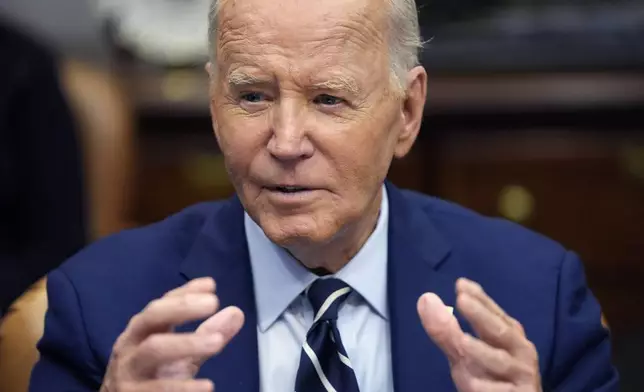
(343, 83)
(237, 78)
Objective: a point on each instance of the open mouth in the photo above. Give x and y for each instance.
(289, 189)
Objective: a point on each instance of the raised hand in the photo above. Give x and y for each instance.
(150, 356)
(500, 359)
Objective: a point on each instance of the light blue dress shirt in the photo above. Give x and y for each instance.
(285, 314)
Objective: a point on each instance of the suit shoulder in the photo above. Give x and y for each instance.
(491, 238)
(152, 248)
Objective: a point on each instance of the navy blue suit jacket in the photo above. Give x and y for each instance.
(431, 244)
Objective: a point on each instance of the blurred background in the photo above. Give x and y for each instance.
(535, 113)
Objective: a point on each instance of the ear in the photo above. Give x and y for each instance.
(412, 110)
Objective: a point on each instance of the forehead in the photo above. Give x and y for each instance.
(323, 33)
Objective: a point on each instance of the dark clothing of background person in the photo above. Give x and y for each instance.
(41, 201)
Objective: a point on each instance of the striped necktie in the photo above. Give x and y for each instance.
(324, 363)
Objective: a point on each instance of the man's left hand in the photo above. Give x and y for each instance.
(500, 359)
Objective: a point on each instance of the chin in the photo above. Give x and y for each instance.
(299, 230)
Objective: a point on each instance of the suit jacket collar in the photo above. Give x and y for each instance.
(417, 250)
(220, 251)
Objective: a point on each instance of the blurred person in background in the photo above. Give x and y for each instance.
(41, 182)
(66, 157)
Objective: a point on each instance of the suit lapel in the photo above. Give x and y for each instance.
(416, 251)
(220, 251)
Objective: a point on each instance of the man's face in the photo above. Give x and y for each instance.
(304, 112)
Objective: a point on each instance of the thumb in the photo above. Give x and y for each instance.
(441, 325)
(225, 324)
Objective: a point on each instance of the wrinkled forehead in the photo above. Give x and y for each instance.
(308, 28)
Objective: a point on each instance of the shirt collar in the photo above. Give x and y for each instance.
(278, 278)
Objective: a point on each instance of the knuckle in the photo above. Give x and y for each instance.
(185, 301)
(192, 368)
(175, 291)
(518, 326)
(116, 377)
(116, 358)
(135, 320)
(118, 362)
(138, 321)
(153, 346)
(193, 344)
(527, 372)
(109, 384)
(532, 348)
(108, 387)
(123, 369)
(503, 332)
(153, 306)
(119, 347)
(504, 363)
(530, 371)
(532, 352)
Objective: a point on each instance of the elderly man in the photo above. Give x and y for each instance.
(327, 277)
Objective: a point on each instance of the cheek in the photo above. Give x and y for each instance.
(360, 161)
(241, 143)
(366, 153)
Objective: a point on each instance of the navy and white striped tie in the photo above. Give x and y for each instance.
(324, 363)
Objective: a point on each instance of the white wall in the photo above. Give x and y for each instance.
(71, 26)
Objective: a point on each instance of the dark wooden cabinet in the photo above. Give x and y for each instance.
(583, 189)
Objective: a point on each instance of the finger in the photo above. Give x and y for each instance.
(184, 369)
(441, 326)
(169, 386)
(477, 384)
(474, 289)
(464, 285)
(227, 322)
(488, 325)
(162, 314)
(224, 325)
(200, 285)
(160, 349)
(483, 359)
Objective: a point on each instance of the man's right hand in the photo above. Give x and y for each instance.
(149, 356)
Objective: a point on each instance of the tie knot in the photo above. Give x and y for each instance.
(326, 296)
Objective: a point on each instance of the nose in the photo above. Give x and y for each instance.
(289, 140)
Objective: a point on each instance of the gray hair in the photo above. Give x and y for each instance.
(404, 37)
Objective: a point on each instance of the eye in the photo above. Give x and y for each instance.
(327, 100)
(252, 97)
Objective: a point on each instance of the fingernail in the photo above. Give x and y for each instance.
(435, 305)
(463, 284)
(463, 301)
(208, 300)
